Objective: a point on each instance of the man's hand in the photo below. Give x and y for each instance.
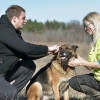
(53, 49)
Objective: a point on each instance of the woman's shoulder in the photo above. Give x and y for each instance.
(98, 41)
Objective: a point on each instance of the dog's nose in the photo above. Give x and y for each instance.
(62, 53)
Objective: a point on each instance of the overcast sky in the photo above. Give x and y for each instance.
(60, 10)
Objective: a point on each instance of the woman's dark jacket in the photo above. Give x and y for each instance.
(13, 47)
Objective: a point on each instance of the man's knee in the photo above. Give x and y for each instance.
(31, 65)
(9, 94)
(13, 93)
(7, 91)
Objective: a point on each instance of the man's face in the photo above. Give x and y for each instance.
(20, 21)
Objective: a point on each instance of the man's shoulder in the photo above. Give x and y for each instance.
(5, 28)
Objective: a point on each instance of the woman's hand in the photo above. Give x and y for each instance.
(77, 62)
(74, 63)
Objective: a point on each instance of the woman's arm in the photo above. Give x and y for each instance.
(82, 62)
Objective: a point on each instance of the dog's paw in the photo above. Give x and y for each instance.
(45, 98)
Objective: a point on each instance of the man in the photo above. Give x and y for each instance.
(16, 55)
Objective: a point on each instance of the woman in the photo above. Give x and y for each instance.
(89, 83)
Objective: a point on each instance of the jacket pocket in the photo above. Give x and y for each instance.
(2, 60)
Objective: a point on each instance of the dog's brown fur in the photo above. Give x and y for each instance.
(51, 82)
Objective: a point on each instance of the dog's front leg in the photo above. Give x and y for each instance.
(66, 95)
(56, 90)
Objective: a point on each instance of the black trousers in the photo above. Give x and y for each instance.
(86, 84)
(21, 73)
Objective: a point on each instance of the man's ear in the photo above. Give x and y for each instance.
(14, 18)
(74, 47)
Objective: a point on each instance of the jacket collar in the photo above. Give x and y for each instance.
(4, 20)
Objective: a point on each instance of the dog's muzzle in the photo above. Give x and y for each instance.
(64, 55)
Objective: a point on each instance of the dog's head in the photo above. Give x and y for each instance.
(65, 54)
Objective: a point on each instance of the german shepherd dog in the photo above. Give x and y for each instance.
(51, 81)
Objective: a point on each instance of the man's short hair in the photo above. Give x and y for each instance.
(14, 10)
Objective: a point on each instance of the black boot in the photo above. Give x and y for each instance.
(90, 91)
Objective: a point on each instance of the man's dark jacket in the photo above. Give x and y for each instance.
(13, 47)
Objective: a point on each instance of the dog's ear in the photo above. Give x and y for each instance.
(74, 47)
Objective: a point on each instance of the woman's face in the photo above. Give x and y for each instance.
(89, 28)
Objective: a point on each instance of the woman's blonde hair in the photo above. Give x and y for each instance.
(94, 18)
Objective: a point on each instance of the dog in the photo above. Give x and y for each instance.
(51, 81)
